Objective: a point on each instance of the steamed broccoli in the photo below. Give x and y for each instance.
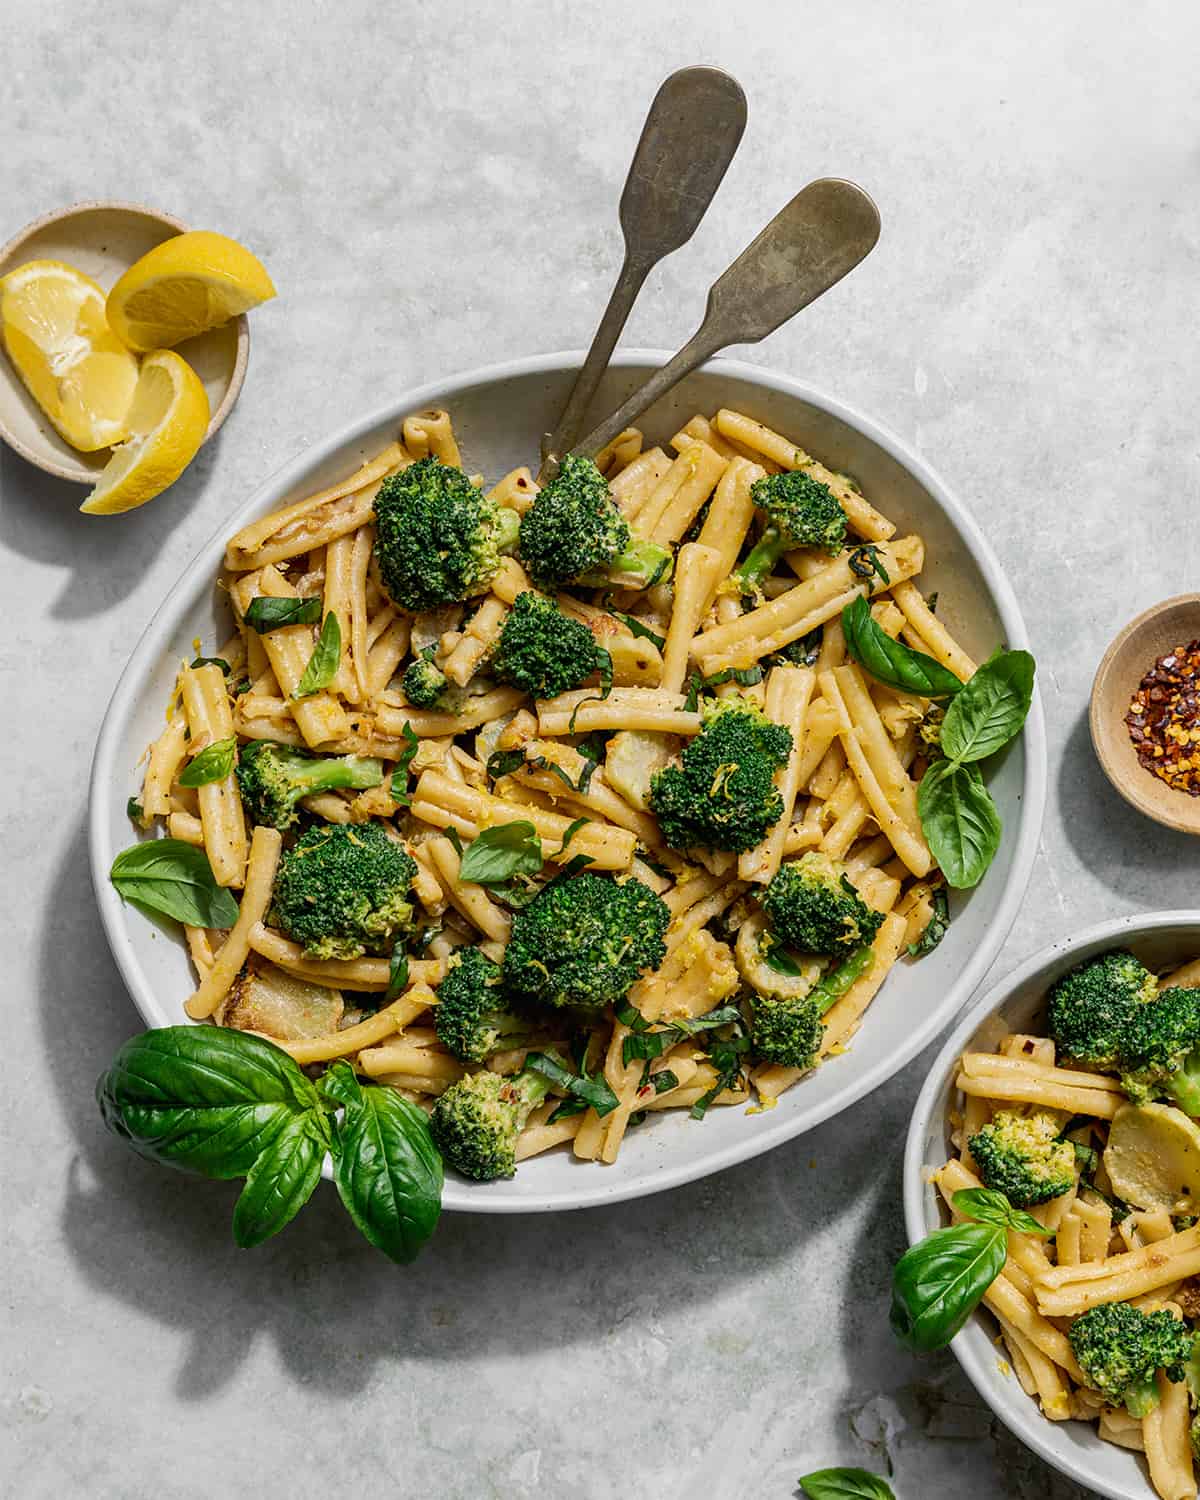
(584, 939)
(273, 778)
(1023, 1157)
(342, 891)
(471, 1017)
(787, 1029)
(542, 651)
(573, 533)
(814, 908)
(424, 682)
(1091, 1007)
(1160, 1050)
(476, 1122)
(722, 795)
(438, 539)
(801, 512)
(1120, 1349)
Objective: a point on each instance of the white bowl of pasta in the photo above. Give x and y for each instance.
(498, 415)
(1014, 1346)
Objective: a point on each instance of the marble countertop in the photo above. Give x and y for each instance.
(433, 187)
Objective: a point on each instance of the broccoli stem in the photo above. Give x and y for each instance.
(640, 566)
(508, 527)
(1184, 1085)
(835, 984)
(1141, 1397)
(762, 558)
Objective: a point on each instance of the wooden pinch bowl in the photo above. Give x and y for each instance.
(103, 239)
(1174, 622)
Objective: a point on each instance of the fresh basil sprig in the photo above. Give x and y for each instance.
(990, 708)
(959, 820)
(265, 614)
(592, 1091)
(323, 663)
(892, 662)
(644, 1043)
(501, 852)
(845, 1484)
(228, 1104)
(213, 763)
(169, 876)
(938, 1283)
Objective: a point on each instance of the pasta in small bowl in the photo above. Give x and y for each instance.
(1063, 1108)
(590, 744)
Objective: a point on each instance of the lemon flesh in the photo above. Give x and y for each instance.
(57, 336)
(167, 422)
(184, 287)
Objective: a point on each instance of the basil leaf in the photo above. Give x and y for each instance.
(991, 707)
(664, 1080)
(865, 561)
(566, 1109)
(281, 1181)
(643, 1043)
(990, 1207)
(386, 1168)
(939, 1282)
(213, 763)
(501, 852)
(935, 928)
(176, 879)
(571, 831)
(265, 615)
(960, 821)
(692, 701)
(593, 1091)
(411, 745)
(201, 1098)
(776, 957)
(643, 631)
(503, 763)
(212, 661)
(397, 972)
(323, 663)
(726, 1055)
(604, 665)
(134, 810)
(892, 662)
(845, 1484)
(743, 676)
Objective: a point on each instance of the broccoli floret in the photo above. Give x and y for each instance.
(1023, 1157)
(801, 512)
(476, 1122)
(273, 778)
(574, 533)
(814, 908)
(471, 1017)
(541, 651)
(1160, 1050)
(1120, 1349)
(584, 939)
(342, 891)
(788, 1029)
(424, 682)
(1194, 1435)
(438, 539)
(1091, 1007)
(722, 795)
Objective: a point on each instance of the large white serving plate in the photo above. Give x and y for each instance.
(1162, 940)
(499, 415)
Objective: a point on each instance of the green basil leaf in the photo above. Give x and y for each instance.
(991, 707)
(213, 763)
(725, 1054)
(990, 1207)
(743, 676)
(571, 831)
(504, 763)
(323, 663)
(134, 810)
(939, 1282)
(501, 852)
(692, 701)
(592, 1091)
(386, 1168)
(400, 771)
(845, 1484)
(935, 929)
(176, 879)
(892, 662)
(265, 615)
(865, 561)
(202, 1098)
(397, 972)
(281, 1181)
(960, 821)
(644, 1043)
(664, 1080)
(212, 661)
(643, 631)
(604, 665)
(569, 1106)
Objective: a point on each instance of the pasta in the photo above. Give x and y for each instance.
(578, 768)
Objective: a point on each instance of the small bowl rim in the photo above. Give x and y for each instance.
(1131, 788)
(143, 210)
(1030, 1426)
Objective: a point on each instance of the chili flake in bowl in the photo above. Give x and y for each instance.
(1164, 719)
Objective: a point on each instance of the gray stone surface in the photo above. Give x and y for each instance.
(433, 187)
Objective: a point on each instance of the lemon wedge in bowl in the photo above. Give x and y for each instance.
(56, 334)
(186, 285)
(167, 422)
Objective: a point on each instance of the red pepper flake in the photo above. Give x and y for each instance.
(1164, 719)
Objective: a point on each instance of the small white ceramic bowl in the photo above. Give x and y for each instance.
(499, 416)
(103, 239)
(1161, 940)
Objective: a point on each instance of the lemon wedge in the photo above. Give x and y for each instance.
(55, 332)
(183, 287)
(167, 422)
